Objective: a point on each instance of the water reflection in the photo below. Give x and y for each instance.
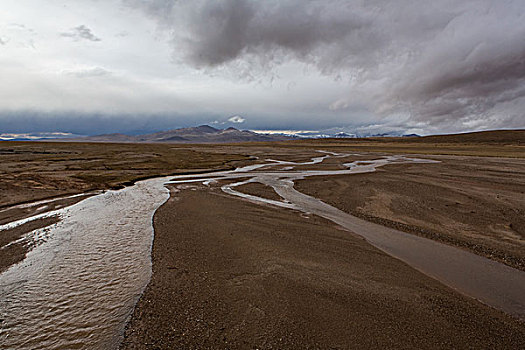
(77, 290)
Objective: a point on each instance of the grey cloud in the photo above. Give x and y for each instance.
(440, 64)
(88, 72)
(85, 123)
(19, 35)
(21, 26)
(81, 32)
(122, 34)
(212, 33)
(479, 76)
(3, 41)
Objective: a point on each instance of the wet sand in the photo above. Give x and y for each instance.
(13, 248)
(229, 274)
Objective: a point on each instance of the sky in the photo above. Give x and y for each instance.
(359, 66)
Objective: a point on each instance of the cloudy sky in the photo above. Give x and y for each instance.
(423, 66)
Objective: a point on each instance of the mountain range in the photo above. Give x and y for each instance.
(208, 134)
(199, 134)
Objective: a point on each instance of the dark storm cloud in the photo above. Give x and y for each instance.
(236, 28)
(81, 32)
(213, 33)
(28, 121)
(95, 123)
(446, 64)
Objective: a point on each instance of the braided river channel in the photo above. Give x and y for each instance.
(77, 287)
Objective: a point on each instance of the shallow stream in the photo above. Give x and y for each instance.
(76, 288)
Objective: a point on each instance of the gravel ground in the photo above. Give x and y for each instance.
(229, 274)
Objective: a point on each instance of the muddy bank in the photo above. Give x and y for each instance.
(474, 203)
(231, 274)
(13, 248)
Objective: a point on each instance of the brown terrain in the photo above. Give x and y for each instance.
(199, 134)
(500, 143)
(228, 274)
(231, 274)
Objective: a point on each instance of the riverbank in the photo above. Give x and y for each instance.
(473, 203)
(231, 274)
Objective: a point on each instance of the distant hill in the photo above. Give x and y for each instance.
(514, 137)
(502, 137)
(113, 137)
(199, 134)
